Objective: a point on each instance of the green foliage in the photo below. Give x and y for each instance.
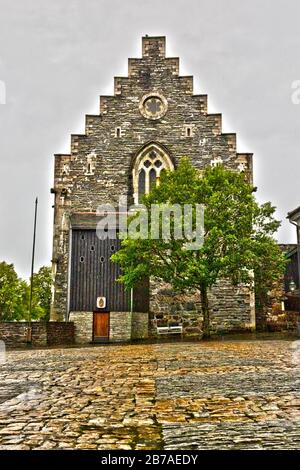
(12, 293)
(238, 235)
(42, 281)
(15, 294)
(269, 268)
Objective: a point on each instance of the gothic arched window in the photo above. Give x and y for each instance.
(149, 164)
(142, 181)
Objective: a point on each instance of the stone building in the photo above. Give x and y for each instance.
(294, 254)
(151, 121)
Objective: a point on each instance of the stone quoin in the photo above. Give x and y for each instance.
(152, 120)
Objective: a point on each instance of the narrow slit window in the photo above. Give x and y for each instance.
(188, 130)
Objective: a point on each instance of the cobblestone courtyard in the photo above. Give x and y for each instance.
(227, 395)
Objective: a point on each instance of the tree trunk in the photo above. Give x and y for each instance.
(205, 311)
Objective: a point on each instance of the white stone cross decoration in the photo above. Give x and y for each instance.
(66, 169)
(90, 169)
(242, 167)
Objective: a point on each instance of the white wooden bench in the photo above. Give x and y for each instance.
(166, 330)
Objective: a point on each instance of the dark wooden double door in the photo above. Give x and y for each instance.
(94, 275)
(101, 327)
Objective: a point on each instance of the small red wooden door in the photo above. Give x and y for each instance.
(101, 326)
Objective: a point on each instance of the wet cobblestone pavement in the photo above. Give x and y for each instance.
(214, 395)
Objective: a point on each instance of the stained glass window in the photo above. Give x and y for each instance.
(147, 170)
(142, 183)
(152, 178)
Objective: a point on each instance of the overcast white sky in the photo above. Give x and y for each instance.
(58, 56)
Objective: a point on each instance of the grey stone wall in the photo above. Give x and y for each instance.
(83, 322)
(14, 334)
(79, 191)
(60, 333)
(123, 326)
(232, 309)
(120, 324)
(140, 325)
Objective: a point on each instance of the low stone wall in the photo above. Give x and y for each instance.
(14, 334)
(60, 333)
(83, 322)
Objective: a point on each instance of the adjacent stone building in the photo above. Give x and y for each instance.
(294, 255)
(152, 121)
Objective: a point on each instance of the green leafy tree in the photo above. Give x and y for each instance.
(269, 270)
(236, 231)
(12, 293)
(15, 294)
(42, 281)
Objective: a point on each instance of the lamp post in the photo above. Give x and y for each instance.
(29, 329)
(292, 286)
